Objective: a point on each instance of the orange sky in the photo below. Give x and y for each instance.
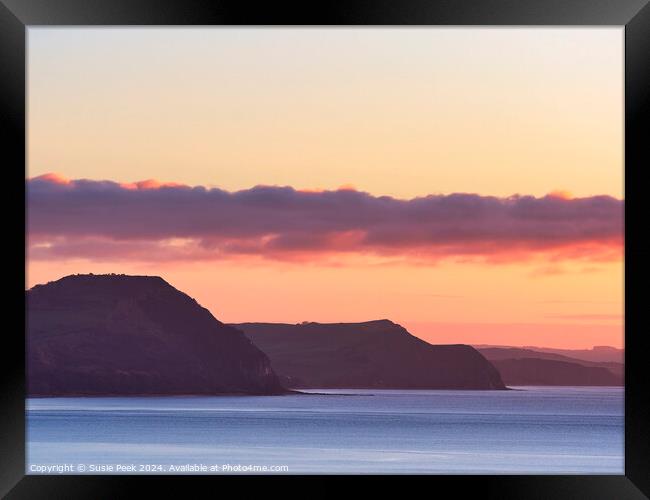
(388, 111)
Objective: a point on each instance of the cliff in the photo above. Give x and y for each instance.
(524, 366)
(534, 371)
(375, 354)
(117, 334)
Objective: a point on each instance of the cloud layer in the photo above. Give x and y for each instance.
(104, 220)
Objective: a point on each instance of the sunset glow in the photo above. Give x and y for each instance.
(357, 175)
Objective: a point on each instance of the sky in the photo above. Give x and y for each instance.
(466, 183)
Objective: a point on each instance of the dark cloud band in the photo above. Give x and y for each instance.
(104, 219)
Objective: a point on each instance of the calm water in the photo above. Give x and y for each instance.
(531, 430)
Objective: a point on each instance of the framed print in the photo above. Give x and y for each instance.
(359, 239)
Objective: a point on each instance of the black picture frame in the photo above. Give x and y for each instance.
(17, 15)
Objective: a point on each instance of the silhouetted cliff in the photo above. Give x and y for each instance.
(374, 354)
(520, 366)
(533, 371)
(116, 334)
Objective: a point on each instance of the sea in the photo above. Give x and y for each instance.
(526, 430)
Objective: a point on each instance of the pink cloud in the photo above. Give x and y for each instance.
(105, 220)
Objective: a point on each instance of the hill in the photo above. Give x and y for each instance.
(534, 371)
(117, 334)
(374, 354)
(518, 366)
